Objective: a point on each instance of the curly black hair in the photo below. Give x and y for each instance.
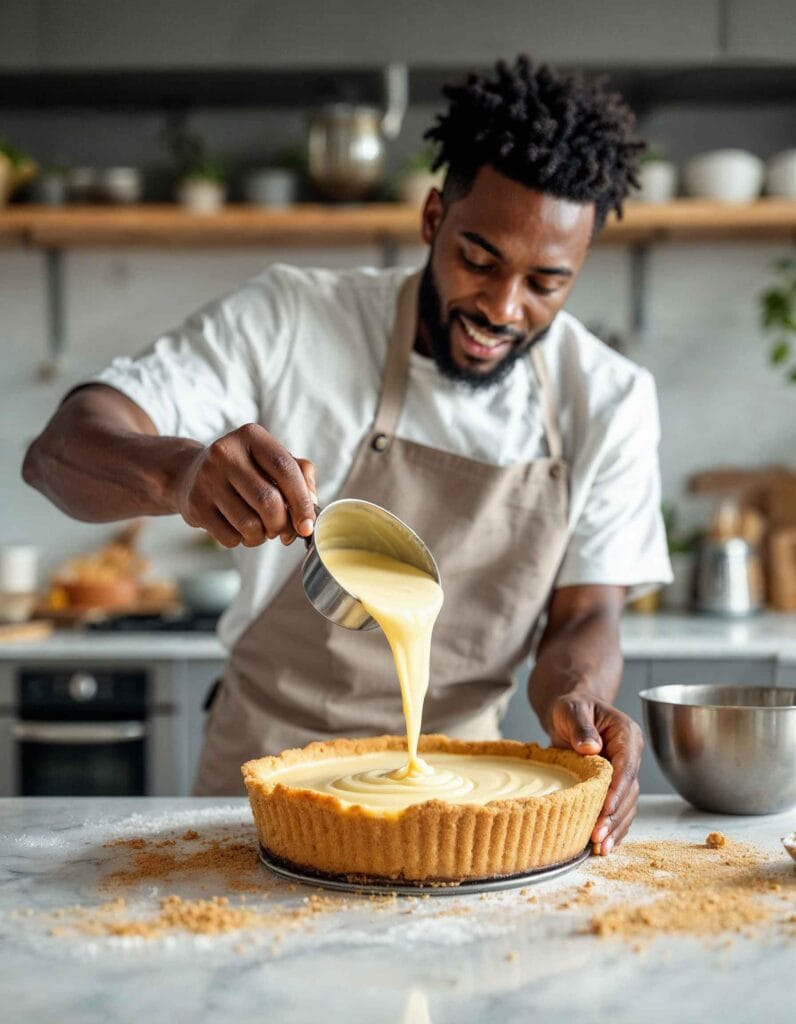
(552, 132)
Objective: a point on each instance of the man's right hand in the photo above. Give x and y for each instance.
(246, 488)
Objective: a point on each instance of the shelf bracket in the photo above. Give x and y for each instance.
(639, 272)
(56, 323)
(389, 251)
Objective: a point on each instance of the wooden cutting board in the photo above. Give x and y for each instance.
(19, 632)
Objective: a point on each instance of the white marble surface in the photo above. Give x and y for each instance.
(770, 635)
(411, 963)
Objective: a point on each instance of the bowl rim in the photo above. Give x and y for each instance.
(657, 695)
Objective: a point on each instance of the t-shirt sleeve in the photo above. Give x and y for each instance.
(619, 538)
(213, 373)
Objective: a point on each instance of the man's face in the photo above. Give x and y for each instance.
(503, 260)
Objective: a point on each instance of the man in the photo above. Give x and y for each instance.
(462, 398)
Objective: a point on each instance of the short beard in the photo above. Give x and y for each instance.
(439, 337)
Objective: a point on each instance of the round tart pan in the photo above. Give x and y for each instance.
(375, 886)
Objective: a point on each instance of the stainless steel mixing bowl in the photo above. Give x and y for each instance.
(353, 523)
(730, 749)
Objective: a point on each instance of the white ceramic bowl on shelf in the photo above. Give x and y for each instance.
(727, 175)
(209, 590)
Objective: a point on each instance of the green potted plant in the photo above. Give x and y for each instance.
(201, 180)
(682, 554)
(657, 177)
(16, 170)
(203, 187)
(778, 318)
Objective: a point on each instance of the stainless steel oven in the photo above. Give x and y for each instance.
(86, 732)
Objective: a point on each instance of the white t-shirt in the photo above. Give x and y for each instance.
(302, 352)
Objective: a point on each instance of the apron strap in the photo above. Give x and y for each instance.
(396, 370)
(549, 413)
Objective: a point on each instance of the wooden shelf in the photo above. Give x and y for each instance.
(311, 224)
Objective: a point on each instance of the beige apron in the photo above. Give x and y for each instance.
(498, 535)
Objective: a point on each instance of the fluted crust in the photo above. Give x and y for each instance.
(433, 841)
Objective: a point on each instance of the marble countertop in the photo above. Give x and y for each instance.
(770, 635)
(442, 960)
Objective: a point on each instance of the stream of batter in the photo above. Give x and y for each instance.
(405, 601)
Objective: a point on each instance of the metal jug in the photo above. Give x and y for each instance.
(729, 578)
(346, 141)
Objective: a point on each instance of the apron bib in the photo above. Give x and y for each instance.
(498, 534)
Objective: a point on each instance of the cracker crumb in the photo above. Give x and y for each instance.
(715, 840)
(687, 894)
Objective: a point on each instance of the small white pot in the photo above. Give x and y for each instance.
(201, 195)
(658, 182)
(270, 186)
(728, 175)
(781, 175)
(121, 185)
(209, 590)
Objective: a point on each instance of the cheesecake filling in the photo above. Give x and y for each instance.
(373, 780)
(405, 601)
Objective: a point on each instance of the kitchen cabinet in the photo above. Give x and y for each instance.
(174, 724)
(786, 674)
(202, 34)
(726, 671)
(761, 30)
(192, 682)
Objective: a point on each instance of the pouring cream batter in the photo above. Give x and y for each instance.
(406, 601)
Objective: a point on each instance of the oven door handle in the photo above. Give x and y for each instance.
(74, 733)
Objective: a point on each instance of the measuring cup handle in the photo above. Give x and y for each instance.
(308, 540)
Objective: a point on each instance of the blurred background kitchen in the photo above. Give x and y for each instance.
(153, 155)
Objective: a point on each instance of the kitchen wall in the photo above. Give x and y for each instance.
(719, 400)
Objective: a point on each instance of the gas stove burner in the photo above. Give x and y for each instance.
(183, 622)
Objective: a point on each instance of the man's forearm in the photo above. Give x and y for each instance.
(582, 652)
(95, 464)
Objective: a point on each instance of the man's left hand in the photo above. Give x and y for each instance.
(591, 726)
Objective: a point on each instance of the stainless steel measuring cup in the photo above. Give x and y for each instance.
(353, 523)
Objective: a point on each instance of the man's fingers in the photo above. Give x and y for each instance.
(580, 728)
(280, 466)
(264, 498)
(614, 809)
(619, 828)
(308, 472)
(241, 516)
(624, 776)
(217, 526)
(624, 744)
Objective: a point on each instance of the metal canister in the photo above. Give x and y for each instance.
(729, 578)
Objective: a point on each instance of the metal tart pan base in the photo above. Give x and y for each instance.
(384, 886)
